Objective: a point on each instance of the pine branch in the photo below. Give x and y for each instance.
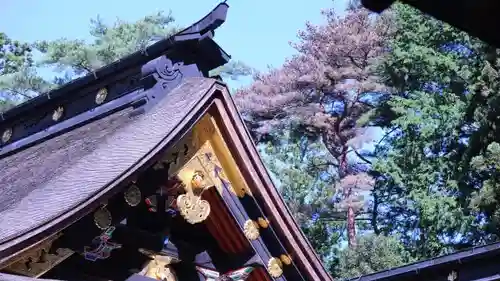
(361, 157)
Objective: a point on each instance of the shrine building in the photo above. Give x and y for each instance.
(144, 170)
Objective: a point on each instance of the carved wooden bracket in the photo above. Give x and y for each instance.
(39, 259)
(179, 155)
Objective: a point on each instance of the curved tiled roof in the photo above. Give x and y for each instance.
(70, 173)
(51, 181)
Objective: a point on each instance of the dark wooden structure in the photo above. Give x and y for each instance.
(144, 170)
(477, 17)
(476, 264)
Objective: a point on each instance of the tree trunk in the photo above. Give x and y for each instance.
(351, 227)
(374, 217)
(351, 216)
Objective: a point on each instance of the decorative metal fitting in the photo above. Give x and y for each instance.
(286, 259)
(251, 230)
(133, 195)
(103, 218)
(6, 135)
(193, 208)
(275, 267)
(101, 96)
(58, 113)
(197, 180)
(452, 276)
(263, 222)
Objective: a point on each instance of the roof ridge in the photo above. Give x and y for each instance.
(190, 52)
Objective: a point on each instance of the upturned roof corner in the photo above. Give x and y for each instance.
(138, 80)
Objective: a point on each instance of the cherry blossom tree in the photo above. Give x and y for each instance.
(327, 92)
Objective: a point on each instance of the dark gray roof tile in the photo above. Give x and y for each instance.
(10, 277)
(49, 180)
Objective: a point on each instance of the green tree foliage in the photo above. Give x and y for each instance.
(415, 191)
(233, 70)
(306, 194)
(306, 188)
(373, 253)
(487, 198)
(73, 58)
(111, 42)
(478, 170)
(432, 183)
(440, 117)
(436, 169)
(14, 55)
(18, 80)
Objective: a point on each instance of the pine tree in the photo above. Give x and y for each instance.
(324, 92)
(306, 191)
(422, 189)
(110, 43)
(18, 80)
(374, 253)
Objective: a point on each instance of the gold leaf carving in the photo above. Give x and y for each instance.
(210, 164)
(197, 180)
(159, 268)
(179, 154)
(193, 208)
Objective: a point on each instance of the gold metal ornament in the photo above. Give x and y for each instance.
(193, 208)
(102, 218)
(197, 180)
(263, 222)
(251, 230)
(160, 268)
(58, 113)
(101, 96)
(286, 259)
(6, 135)
(133, 196)
(275, 267)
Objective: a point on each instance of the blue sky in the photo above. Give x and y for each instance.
(256, 32)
